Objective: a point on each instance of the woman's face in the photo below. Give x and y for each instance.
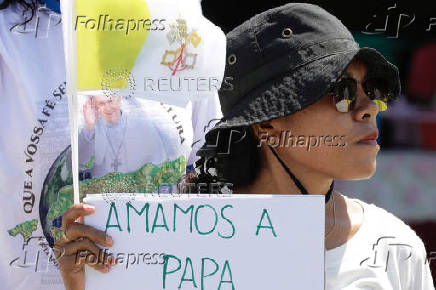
(330, 142)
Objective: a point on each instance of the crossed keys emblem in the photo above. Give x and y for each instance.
(181, 58)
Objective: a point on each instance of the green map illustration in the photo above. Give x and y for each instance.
(145, 180)
(57, 195)
(24, 229)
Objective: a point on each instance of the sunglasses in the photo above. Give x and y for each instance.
(344, 93)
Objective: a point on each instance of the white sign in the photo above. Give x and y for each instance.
(242, 241)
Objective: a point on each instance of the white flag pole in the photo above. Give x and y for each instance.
(70, 47)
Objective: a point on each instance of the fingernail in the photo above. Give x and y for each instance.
(109, 241)
(88, 206)
(106, 269)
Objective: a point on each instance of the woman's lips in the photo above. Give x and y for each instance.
(369, 139)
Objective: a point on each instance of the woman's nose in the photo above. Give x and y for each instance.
(365, 107)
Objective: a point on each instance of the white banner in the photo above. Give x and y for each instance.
(243, 242)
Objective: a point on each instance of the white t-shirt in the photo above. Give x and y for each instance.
(384, 253)
(34, 141)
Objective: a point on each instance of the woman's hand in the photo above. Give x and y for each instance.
(78, 247)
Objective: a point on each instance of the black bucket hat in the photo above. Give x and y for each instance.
(285, 59)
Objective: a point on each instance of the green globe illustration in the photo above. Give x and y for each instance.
(57, 193)
(52, 205)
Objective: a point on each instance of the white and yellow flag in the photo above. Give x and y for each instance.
(164, 50)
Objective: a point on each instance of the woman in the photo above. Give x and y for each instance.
(300, 112)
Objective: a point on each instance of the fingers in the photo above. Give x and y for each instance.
(76, 261)
(74, 212)
(86, 252)
(76, 253)
(59, 242)
(59, 250)
(78, 246)
(82, 248)
(77, 230)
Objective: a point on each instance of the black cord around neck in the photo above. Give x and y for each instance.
(296, 181)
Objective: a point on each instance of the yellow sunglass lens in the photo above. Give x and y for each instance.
(382, 106)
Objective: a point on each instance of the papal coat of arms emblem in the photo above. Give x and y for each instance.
(181, 58)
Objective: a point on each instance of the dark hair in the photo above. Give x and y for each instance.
(28, 6)
(229, 157)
